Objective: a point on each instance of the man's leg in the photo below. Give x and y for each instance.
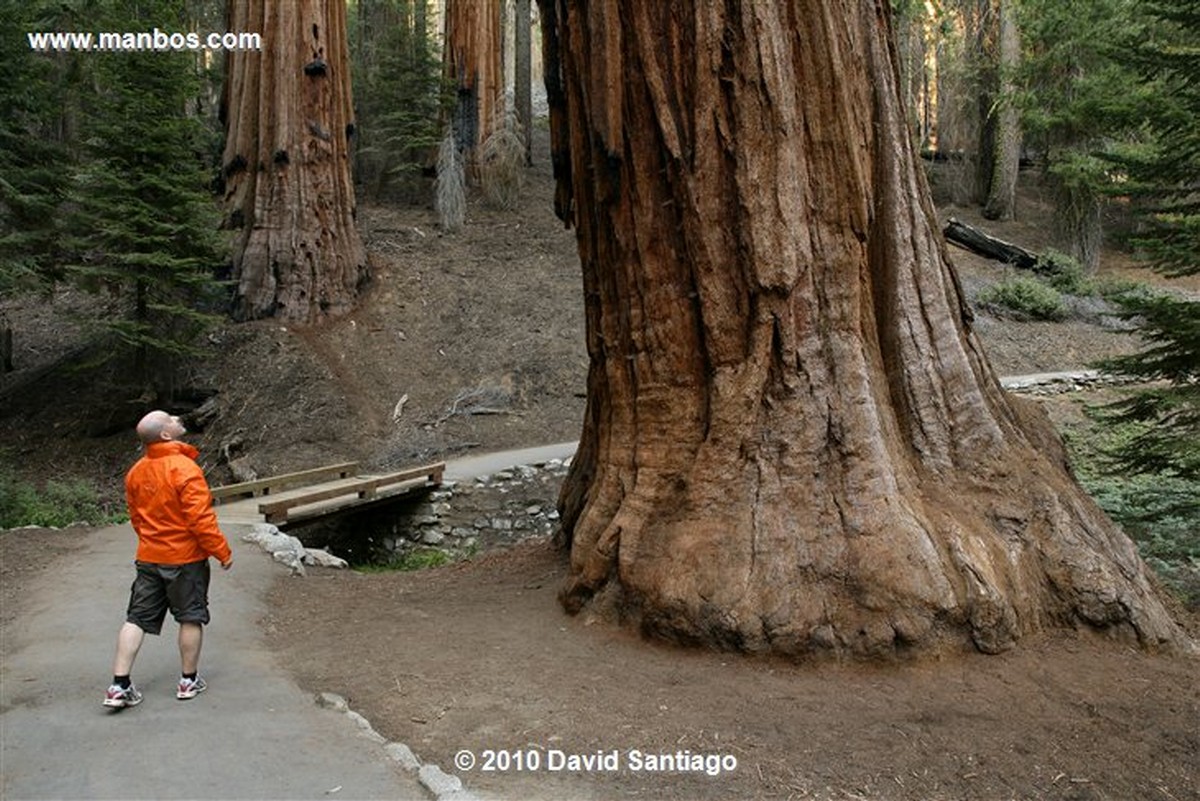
(191, 637)
(129, 642)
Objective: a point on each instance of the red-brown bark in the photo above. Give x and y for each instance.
(793, 439)
(472, 62)
(286, 163)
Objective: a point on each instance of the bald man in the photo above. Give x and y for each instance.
(170, 508)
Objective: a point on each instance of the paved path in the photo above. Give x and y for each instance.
(253, 735)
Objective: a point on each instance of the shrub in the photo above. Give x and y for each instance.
(1026, 296)
(1064, 273)
(59, 503)
(415, 559)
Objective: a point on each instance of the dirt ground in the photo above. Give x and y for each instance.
(474, 342)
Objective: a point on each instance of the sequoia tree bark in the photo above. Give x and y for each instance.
(288, 192)
(793, 441)
(472, 62)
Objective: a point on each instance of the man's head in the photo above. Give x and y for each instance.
(158, 426)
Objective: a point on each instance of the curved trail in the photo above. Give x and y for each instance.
(254, 735)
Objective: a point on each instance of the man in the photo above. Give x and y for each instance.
(170, 508)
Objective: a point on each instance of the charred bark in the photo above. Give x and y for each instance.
(288, 191)
(793, 442)
(472, 63)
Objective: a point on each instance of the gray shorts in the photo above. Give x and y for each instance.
(181, 588)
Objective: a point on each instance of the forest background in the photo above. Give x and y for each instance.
(110, 169)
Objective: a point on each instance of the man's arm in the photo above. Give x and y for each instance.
(196, 502)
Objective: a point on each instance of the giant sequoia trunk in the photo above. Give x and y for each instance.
(793, 441)
(288, 190)
(472, 63)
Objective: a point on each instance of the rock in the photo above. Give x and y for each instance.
(433, 538)
(320, 558)
(533, 510)
(283, 548)
(403, 756)
(242, 469)
(332, 701)
(438, 782)
(365, 727)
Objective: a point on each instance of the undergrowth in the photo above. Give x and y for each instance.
(60, 502)
(1159, 511)
(415, 559)
(1040, 293)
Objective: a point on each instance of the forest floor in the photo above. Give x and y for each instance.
(474, 342)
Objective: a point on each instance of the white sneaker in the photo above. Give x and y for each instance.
(190, 688)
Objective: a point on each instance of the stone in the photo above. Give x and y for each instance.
(502, 523)
(438, 782)
(365, 727)
(242, 470)
(433, 538)
(282, 547)
(461, 532)
(403, 756)
(332, 701)
(321, 558)
(533, 510)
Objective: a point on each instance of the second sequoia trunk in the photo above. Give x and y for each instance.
(793, 441)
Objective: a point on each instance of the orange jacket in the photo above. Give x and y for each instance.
(171, 509)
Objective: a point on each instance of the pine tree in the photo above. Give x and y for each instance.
(33, 165)
(400, 90)
(145, 226)
(1164, 180)
(1079, 101)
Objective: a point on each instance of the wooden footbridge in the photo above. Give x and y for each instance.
(310, 494)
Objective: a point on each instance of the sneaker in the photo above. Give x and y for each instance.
(119, 697)
(190, 688)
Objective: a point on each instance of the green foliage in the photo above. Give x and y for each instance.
(1159, 510)
(1162, 167)
(1077, 102)
(399, 90)
(1063, 273)
(415, 559)
(145, 227)
(34, 162)
(1163, 179)
(1026, 296)
(1168, 413)
(59, 503)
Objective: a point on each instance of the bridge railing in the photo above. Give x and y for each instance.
(365, 489)
(265, 486)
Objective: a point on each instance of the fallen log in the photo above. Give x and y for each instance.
(976, 241)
